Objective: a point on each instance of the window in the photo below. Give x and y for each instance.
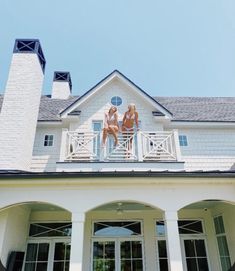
(222, 243)
(117, 228)
(161, 246)
(116, 100)
(48, 140)
(183, 140)
(50, 229)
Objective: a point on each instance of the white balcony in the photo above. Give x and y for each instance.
(142, 150)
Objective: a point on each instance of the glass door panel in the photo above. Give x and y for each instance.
(61, 256)
(195, 255)
(104, 256)
(131, 256)
(117, 255)
(37, 257)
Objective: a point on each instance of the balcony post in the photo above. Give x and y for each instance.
(177, 145)
(139, 146)
(63, 144)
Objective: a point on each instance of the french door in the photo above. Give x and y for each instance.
(47, 255)
(194, 254)
(117, 254)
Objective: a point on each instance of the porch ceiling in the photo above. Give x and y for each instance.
(125, 206)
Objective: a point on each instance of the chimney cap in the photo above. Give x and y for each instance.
(30, 46)
(63, 76)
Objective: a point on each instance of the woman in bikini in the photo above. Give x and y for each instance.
(129, 120)
(111, 125)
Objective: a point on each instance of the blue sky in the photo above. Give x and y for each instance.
(167, 47)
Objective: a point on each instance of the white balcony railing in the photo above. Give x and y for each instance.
(137, 146)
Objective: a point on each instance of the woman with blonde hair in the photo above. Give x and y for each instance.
(111, 125)
(130, 118)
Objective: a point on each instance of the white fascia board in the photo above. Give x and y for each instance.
(203, 124)
(126, 82)
(142, 94)
(87, 96)
(49, 123)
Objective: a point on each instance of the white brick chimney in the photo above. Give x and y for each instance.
(62, 86)
(19, 113)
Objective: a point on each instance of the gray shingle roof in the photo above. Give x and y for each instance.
(200, 108)
(182, 108)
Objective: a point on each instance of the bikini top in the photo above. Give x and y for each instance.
(130, 117)
(110, 118)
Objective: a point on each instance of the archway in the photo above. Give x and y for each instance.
(207, 233)
(126, 232)
(29, 230)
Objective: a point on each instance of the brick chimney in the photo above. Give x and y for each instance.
(62, 85)
(19, 113)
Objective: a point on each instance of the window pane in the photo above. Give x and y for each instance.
(225, 263)
(98, 250)
(136, 249)
(58, 266)
(50, 229)
(190, 226)
(31, 252)
(219, 225)
(163, 265)
(109, 250)
(223, 246)
(200, 248)
(109, 265)
(202, 264)
(126, 265)
(117, 228)
(137, 265)
(126, 250)
(41, 267)
(43, 252)
(29, 267)
(160, 228)
(191, 265)
(59, 251)
(189, 248)
(162, 251)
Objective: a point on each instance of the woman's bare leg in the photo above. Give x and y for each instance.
(105, 134)
(113, 131)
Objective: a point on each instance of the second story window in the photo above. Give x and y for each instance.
(183, 140)
(116, 100)
(48, 140)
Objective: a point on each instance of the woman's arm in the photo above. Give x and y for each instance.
(106, 121)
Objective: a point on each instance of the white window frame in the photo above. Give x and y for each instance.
(183, 139)
(219, 235)
(44, 140)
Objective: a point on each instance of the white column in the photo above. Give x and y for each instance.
(140, 146)
(63, 144)
(173, 241)
(76, 255)
(177, 145)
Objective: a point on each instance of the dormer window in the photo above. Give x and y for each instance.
(48, 140)
(116, 100)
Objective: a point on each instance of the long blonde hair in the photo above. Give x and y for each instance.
(131, 105)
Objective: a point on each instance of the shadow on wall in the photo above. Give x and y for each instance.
(2, 268)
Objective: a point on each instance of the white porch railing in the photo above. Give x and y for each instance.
(137, 146)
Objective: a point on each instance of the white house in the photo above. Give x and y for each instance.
(162, 199)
